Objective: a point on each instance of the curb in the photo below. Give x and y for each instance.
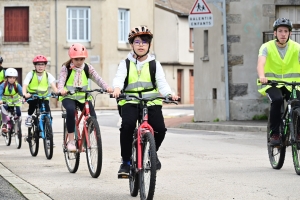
(223, 127)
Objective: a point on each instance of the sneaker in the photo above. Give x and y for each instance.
(4, 128)
(71, 146)
(275, 139)
(28, 121)
(124, 171)
(158, 164)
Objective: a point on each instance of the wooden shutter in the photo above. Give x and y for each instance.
(16, 24)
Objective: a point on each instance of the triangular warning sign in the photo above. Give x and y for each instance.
(200, 7)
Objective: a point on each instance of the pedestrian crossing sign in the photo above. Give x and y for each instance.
(200, 7)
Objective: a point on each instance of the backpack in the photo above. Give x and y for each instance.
(152, 71)
(33, 71)
(86, 71)
(2, 69)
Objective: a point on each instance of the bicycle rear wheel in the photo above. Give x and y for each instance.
(94, 153)
(48, 140)
(276, 153)
(71, 158)
(296, 145)
(18, 134)
(33, 140)
(133, 174)
(148, 172)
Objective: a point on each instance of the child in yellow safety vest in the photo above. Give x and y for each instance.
(10, 92)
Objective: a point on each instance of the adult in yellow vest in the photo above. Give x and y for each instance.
(10, 92)
(139, 83)
(2, 71)
(37, 82)
(278, 60)
(77, 78)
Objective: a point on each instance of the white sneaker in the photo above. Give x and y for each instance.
(28, 121)
(71, 146)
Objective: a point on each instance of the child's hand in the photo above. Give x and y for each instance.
(63, 92)
(116, 92)
(109, 90)
(27, 95)
(1, 102)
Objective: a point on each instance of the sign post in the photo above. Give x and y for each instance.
(200, 15)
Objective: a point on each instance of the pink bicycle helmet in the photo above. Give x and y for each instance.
(40, 59)
(78, 51)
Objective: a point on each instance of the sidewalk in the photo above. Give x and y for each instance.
(230, 126)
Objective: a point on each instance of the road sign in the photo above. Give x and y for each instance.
(200, 15)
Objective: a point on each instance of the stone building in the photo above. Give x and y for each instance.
(249, 24)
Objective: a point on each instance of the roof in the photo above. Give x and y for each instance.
(179, 7)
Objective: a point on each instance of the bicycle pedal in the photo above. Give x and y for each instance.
(123, 176)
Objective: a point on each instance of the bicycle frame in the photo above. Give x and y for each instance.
(85, 114)
(41, 112)
(142, 128)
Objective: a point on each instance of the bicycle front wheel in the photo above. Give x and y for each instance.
(276, 153)
(18, 134)
(94, 152)
(71, 158)
(148, 172)
(33, 140)
(296, 145)
(48, 140)
(7, 138)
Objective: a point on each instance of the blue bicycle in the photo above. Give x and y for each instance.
(41, 127)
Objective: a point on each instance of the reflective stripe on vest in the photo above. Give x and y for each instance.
(39, 87)
(79, 96)
(139, 81)
(11, 97)
(276, 68)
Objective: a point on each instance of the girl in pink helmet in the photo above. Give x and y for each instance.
(75, 73)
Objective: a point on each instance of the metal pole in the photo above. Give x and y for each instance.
(227, 105)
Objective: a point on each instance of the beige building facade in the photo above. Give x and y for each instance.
(248, 26)
(52, 26)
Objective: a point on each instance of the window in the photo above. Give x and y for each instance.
(191, 38)
(124, 25)
(78, 23)
(16, 24)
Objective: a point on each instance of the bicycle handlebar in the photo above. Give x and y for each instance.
(130, 97)
(274, 83)
(36, 96)
(79, 89)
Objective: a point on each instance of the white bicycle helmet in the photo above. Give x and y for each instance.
(11, 72)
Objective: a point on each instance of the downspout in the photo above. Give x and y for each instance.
(56, 104)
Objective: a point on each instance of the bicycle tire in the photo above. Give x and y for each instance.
(276, 153)
(33, 140)
(296, 145)
(48, 140)
(133, 174)
(94, 154)
(71, 158)
(7, 138)
(18, 134)
(148, 173)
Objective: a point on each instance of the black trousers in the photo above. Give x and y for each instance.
(33, 103)
(130, 114)
(70, 106)
(276, 96)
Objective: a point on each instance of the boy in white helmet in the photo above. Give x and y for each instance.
(10, 91)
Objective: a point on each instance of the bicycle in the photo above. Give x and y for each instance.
(289, 128)
(142, 175)
(87, 140)
(13, 125)
(41, 127)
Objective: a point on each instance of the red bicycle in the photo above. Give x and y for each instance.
(87, 140)
(142, 175)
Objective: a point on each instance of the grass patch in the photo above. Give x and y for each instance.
(216, 120)
(260, 117)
